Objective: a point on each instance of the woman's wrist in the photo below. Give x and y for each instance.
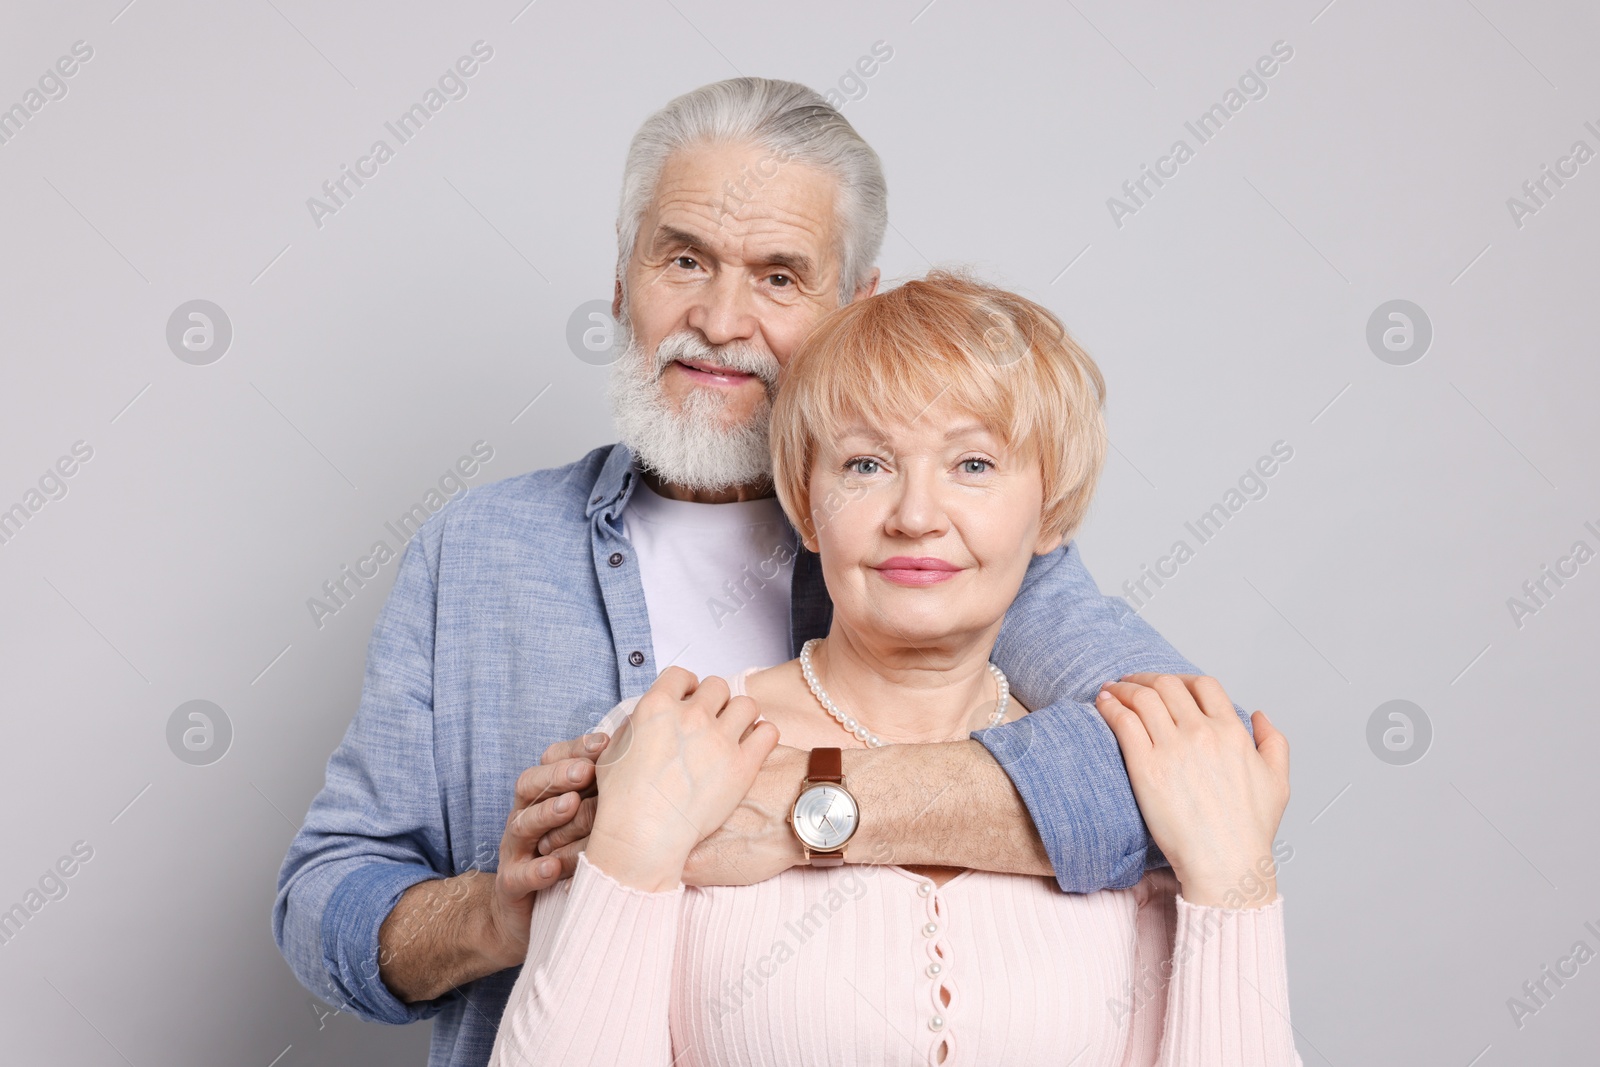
(636, 855)
(1235, 882)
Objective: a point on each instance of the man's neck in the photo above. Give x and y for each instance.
(737, 494)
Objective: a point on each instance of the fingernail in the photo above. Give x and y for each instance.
(563, 803)
(594, 741)
(575, 773)
(547, 868)
(1103, 695)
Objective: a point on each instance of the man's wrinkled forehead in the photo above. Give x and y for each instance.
(712, 196)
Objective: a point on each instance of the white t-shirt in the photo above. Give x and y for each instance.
(716, 580)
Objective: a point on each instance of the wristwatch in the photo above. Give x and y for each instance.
(825, 814)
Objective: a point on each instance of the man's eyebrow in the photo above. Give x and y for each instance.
(794, 261)
(672, 237)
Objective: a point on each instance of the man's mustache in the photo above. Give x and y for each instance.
(739, 356)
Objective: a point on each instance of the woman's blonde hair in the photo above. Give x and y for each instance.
(1000, 356)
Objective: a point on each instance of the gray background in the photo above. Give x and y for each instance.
(369, 354)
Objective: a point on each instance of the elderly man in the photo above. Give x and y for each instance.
(524, 612)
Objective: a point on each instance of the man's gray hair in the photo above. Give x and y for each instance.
(795, 124)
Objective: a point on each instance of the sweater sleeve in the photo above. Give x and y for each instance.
(597, 982)
(1210, 986)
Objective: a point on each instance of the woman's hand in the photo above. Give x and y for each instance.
(672, 775)
(1211, 797)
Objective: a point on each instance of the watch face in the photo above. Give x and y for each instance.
(825, 817)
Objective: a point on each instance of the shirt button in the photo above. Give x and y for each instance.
(933, 970)
(936, 1023)
(636, 658)
(930, 929)
(615, 559)
(925, 888)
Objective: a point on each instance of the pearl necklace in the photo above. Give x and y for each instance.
(860, 732)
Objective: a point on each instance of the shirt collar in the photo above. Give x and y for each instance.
(618, 476)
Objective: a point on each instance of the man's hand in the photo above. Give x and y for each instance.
(755, 843)
(549, 798)
(446, 932)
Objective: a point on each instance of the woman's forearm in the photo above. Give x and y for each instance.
(596, 986)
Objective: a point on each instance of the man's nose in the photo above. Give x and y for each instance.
(724, 312)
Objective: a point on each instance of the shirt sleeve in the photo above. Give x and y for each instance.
(1209, 986)
(596, 987)
(377, 826)
(1062, 640)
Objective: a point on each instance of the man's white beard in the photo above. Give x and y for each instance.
(693, 448)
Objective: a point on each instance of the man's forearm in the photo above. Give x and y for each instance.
(439, 936)
(948, 805)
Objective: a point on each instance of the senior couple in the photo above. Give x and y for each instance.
(792, 729)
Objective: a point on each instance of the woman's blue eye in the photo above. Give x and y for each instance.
(975, 466)
(862, 466)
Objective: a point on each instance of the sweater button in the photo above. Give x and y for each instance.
(636, 658)
(930, 929)
(936, 1023)
(933, 970)
(615, 559)
(925, 888)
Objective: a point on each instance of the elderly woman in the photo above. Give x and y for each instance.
(927, 444)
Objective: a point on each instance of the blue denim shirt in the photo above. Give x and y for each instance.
(517, 619)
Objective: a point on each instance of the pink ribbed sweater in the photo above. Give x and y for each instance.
(877, 965)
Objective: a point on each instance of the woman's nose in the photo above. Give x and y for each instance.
(918, 510)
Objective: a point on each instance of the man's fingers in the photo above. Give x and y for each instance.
(533, 822)
(577, 827)
(520, 877)
(549, 779)
(567, 857)
(586, 747)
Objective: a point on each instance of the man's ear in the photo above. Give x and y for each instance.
(616, 299)
(871, 287)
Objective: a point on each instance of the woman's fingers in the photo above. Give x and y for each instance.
(1177, 692)
(739, 713)
(1212, 698)
(756, 745)
(1132, 736)
(1271, 745)
(1148, 704)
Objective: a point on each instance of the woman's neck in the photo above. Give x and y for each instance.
(906, 693)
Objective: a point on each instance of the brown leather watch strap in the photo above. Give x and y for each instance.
(825, 765)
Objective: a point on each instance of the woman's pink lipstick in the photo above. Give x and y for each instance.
(918, 570)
